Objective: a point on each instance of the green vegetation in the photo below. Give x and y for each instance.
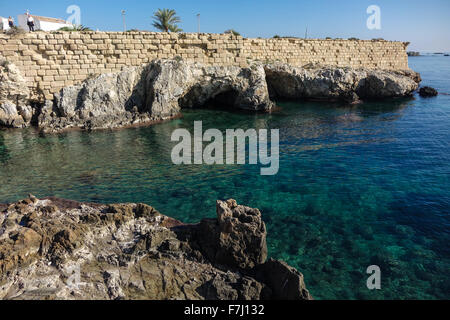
(233, 32)
(166, 20)
(276, 36)
(354, 39)
(75, 28)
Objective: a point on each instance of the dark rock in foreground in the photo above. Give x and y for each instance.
(428, 92)
(59, 249)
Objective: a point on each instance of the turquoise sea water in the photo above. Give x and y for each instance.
(357, 186)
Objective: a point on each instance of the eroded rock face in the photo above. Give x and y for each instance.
(333, 83)
(108, 101)
(286, 282)
(236, 238)
(59, 249)
(154, 92)
(15, 116)
(159, 90)
(14, 97)
(230, 87)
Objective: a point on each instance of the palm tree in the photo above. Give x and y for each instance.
(75, 28)
(166, 20)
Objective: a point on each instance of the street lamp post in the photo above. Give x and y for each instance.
(124, 22)
(198, 22)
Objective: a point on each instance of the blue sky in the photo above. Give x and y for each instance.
(426, 24)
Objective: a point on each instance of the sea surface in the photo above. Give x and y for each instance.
(357, 186)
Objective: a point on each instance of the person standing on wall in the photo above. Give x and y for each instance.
(11, 22)
(30, 22)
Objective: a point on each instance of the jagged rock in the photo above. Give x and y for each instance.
(152, 93)
(14, 97)
(426, 92)
(236, 239)
(182, 84)
(334, 83)
(108, 101)
(410, 74)
(286, 282)
(159, 90)
(13, 116)
(59, 249)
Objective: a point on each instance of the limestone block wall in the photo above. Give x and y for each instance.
(51, 61)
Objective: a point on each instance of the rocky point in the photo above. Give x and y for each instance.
(59, 249)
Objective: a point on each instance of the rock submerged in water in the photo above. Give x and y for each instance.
(158, 91)
(426, 92)
(60, 249)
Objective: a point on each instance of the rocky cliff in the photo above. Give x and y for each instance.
(154, 92)
(59, 249)
(159, 90)
(329, 83)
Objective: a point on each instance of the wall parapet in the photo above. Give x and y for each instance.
(51, 61)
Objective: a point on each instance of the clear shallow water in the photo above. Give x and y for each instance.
(358, 185)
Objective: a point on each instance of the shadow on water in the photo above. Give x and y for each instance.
(4, 153)
(366, 109)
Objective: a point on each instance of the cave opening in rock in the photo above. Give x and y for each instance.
(271, 87)
(222, 98)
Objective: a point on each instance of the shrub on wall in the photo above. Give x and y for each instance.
(233, 32)
(75, 28)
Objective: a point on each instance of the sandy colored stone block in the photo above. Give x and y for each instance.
(10, 47)
(8, 53)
